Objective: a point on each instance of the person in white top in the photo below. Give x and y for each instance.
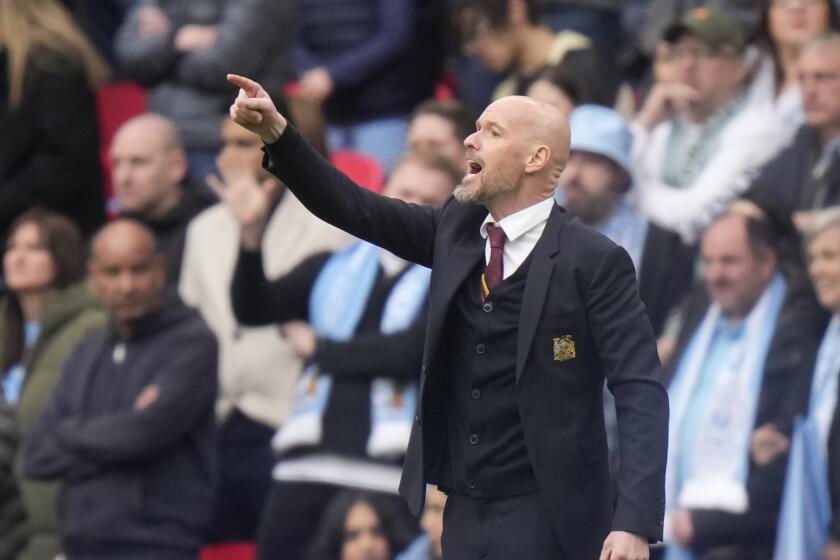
(697, 143)
(257, 367)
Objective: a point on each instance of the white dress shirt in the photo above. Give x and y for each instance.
(522, 231)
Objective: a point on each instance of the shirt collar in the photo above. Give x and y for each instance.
(519, 223)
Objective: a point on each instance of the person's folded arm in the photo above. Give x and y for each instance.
(186, 380)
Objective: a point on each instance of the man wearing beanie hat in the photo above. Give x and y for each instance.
(595, 187)
(697, 141)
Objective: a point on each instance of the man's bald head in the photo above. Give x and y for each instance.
(516, 156)
(126, 272)
(123, 236)
(148, 165)
(151, 128)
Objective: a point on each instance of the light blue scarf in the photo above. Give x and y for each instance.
(806, 506)
(15, 375)
(720, 450)
(337, 303)
(627, 228)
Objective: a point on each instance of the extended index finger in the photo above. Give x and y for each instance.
(250, 87)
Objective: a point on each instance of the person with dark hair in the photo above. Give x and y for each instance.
(529, 313)
(355, 318)
(49, 146)
(440, 127)
(129, 429)
(360, 526)
(805, 176)
(47, 310)
(509, 36)
(581, 78)
(732, 374)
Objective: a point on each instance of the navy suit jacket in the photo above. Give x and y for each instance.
(580, 284)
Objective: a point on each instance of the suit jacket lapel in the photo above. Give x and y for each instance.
(536, 286)
(454, 270)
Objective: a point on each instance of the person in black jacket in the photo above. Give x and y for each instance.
(352, 363)
(805, 176)
(129, 430)
(49, 146)
(521, 337)
(152, 184)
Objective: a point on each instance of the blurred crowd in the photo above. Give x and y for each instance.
(178, 383)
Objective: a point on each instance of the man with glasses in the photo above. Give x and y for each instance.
(698, 140)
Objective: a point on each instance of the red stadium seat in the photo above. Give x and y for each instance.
(116, 103)
(360, 167)
(232, 551)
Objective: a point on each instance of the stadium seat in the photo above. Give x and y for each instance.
(363, 169)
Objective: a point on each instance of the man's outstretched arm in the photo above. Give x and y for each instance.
(407, 230)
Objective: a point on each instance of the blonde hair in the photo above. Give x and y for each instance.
(29, 25)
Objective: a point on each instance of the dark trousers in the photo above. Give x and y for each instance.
(515, 527)
(245, 463)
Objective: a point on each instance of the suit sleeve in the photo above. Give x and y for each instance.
(407, 230)
(627, 351)
(186, 379)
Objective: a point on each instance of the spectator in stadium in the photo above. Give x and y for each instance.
(257, 368)
(427, 546)
(49, 147)
(786, 25)
(509, 36)
(152, 185)
(12, 516)
(359, 526)
(734, 363)
(697, 142)
(806, 175)
(357, 318)
(181, 50)
(441, 127)
(129, 429)
(47, 310)
(596, 185)
(810, 518)
(368, 64)
(580, 78)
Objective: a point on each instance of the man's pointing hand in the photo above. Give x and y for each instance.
(254, 110)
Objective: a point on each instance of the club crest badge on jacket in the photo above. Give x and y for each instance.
(564, 348)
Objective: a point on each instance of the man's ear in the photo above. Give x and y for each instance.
(538, 159)
(178, 165)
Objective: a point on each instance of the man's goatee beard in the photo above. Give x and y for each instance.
(466, 196)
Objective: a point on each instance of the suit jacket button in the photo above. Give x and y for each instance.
(472, 484)
(480, 349)
(488, 306)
